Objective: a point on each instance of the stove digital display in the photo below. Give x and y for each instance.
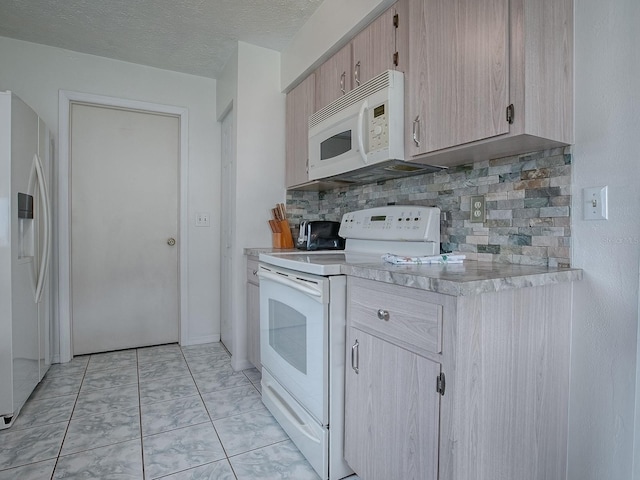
(378, 218)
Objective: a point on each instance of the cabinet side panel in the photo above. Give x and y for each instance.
(549, 69)
(512, 384)
(300, 104)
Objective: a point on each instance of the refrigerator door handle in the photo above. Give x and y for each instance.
(46, 244)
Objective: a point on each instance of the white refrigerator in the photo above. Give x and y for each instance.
(25, 252)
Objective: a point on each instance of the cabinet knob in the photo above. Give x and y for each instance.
(383, 315)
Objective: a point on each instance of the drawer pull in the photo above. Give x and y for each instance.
(383, 315)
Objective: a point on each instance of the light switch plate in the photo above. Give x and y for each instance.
(202, 219)
(594, 203)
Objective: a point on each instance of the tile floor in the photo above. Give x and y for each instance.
(157, 412)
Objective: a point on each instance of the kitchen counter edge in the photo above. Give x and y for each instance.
(465, 279)
(256, 251)
(468, 278)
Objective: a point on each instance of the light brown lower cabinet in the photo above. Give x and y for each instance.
(393, 411)
(457, 388)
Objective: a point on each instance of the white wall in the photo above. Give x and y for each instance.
(36, 73)
(251, 83)
(605, 322)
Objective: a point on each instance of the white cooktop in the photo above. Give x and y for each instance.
(325, 262)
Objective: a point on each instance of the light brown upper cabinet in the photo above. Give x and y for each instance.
(300, 104)
(374, 49)
(371, 52)
(333, 77)
(488, 78)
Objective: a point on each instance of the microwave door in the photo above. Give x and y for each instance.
(337, 147)
(349, 141)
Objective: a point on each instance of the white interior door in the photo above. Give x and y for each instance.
(124, 211)
(227, 206)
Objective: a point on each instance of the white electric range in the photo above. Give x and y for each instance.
(303, 302)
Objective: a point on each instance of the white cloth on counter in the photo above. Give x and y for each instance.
(402, 260)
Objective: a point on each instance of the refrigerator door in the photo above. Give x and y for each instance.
(20, 328)
(6, 363)
(26, 347)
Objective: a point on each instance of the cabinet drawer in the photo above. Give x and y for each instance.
(397, 314)
(252, 270)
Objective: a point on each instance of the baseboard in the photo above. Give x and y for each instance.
(201, 340)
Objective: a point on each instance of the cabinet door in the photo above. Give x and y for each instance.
(253, 324)
(333, 77)
(300, 104)
(392, 411)
(373, 49)
(458, 78)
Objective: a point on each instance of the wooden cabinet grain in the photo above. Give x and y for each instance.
(502, 411)
(371, 52)
(333, 77)
(392, 411)
(253, 312)
(374, 48)
(300, 104)
(458, 82)
(488, 78)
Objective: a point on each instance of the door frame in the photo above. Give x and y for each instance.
(63, 213)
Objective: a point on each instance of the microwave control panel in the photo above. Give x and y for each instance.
(378, 127)
(393, 222)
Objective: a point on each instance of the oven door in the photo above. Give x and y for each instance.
(294, 329)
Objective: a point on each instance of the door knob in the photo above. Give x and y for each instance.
(171, 242)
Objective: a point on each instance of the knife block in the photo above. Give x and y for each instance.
(283, 238)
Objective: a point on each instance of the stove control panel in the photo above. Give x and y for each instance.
(393, 222)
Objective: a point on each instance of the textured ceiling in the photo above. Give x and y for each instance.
(189, 36)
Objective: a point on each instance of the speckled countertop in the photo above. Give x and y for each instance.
(468, 278)
(255, 251)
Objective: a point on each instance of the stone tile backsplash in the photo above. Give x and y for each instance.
(527, 199)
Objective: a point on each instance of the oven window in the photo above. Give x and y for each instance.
(288, 334)
(337, 145)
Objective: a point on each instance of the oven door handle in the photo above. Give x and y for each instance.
(289, 282)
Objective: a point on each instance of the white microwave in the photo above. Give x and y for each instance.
(362, 128)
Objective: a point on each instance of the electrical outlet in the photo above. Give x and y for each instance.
(477, 209)
(202, 219)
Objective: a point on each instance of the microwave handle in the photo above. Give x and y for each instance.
(360, 131)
